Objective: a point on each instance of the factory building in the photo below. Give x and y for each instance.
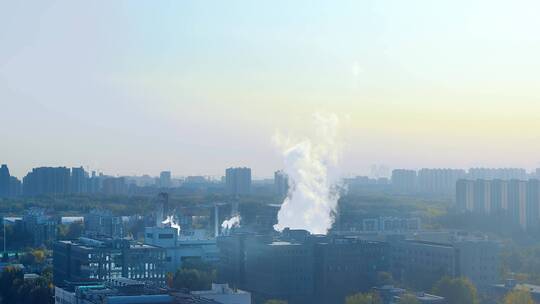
(102, 259)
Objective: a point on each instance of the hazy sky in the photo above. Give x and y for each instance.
(195, 86)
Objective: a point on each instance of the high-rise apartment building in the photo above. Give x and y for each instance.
(532, 216)
(465, 195)
(238, 181)
(497, 173)
(438, 181)
(4, 181)
(114, 186)
(517, 202)
(79, 180)
(15, 186)
(281, 183)
(404, 181)
(165, 179)
(482, 196)
(47, 180)
(499, 196)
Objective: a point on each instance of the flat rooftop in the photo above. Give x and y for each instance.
(283, 243)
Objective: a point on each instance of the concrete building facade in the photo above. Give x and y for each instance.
(103, 259)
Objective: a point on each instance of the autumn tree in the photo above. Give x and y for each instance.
(456, 290)
(363, 298)
(408, 299)
(519, 296)
(384, 278)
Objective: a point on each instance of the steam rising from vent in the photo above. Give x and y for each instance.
(311, 166)
(171, 221)
(230, 223)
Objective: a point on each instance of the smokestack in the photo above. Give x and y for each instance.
(159, 215)
(216, 220)
(162, 211)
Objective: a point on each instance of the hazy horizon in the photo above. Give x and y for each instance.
(191, 87)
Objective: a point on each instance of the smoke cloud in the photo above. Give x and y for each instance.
(311, 166)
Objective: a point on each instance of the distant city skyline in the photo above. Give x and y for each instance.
(192, 87)
(174, 174)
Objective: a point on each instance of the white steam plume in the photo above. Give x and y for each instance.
(311, 166)
(232, 222)
(171, 221)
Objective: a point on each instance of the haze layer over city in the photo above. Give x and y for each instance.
(269, 152)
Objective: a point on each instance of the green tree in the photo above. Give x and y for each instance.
(36, 256)
(72, 231)
(28, 259)
(384, 278)
(408, 299)
(518, 297)
(363, 298)
(456, 291)
(14, 289)
(10, 278)
(194, 275)
(190, 279)
(75, 230)
(38, 291)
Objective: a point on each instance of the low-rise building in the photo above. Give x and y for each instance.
(498, 291)
(222, 293)
(103, 259)
(390, 294)
(41, 226)
(103, 223)
(391, 224)
(122, 291)
(195, 244)
(421, 263)
(299, 267)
